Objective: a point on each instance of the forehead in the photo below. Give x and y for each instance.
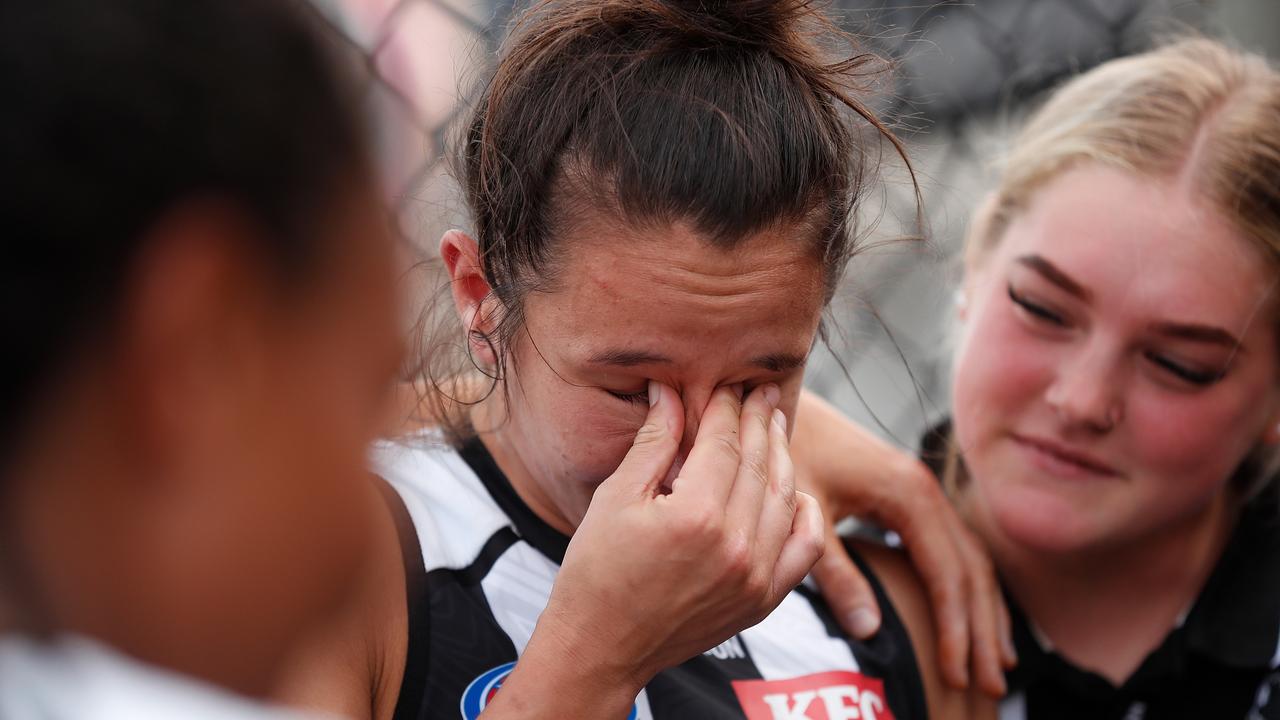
(1145, 246)
(672, 290)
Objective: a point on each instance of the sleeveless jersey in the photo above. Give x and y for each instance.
(480, 566)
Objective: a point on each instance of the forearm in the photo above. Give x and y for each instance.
(831, 451)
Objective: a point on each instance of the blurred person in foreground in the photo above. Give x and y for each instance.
(202, 334)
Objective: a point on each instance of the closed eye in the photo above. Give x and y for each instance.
(1035, 310)
(1199, 378)
(636, 398)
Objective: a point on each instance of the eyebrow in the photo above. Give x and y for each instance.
(1199, 333)
(1055, 275)
(779, 362)
(628, 358)
(773, 362)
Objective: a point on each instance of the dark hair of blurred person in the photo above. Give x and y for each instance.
(199, 320)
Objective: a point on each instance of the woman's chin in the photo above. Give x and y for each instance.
(1041, 520)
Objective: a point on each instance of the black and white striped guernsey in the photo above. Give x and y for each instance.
(480, 566)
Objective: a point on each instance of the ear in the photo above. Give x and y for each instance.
(194, 327)
(472, 296)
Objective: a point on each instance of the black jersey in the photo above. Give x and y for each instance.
(1221, 661)
(480, 567)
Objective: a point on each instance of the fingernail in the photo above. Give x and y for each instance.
(655, 391)
(864, 623)
(780, 420)
(772, 394)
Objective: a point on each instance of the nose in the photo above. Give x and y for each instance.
(1085, 393)
(695, 403)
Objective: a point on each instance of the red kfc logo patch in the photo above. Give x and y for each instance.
(840, 695)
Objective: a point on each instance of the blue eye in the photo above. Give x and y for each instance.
(641, 397)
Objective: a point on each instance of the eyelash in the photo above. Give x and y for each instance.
(642, 397)
(1037, 311)
(636, 398)
(1196, 378)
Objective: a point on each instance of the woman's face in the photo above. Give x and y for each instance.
(1118, 362)
(639, 305)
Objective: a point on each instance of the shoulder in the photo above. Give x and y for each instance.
(892, 570)
(352, 665)
(446, 504)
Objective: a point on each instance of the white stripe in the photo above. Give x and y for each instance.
(793, 642)
(518, 588)
(1275, 659)
(1014, 707)
(451, 510)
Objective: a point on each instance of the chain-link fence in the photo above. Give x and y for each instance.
(967, 72)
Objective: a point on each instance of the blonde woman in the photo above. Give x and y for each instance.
(1116, 404)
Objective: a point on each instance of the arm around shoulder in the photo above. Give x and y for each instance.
(911, 602)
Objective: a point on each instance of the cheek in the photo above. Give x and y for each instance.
(1001, 371)
(1191, 443)
(575, 432)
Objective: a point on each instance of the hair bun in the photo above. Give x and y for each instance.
(754, 22)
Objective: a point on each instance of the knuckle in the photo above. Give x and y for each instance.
(757, 586)
(786, 492)
(702, 526)
(985, 568)
(949, 592)
(816, 547)
(736, 559)
(755, 467)
(727, 445)
(651, 433)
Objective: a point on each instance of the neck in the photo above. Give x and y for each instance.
(498, 432)
(1107, 608)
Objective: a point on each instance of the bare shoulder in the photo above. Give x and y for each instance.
(354, 665)
(911, 601)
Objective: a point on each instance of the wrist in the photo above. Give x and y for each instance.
(569, 671)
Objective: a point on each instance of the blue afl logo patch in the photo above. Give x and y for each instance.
(481, 691)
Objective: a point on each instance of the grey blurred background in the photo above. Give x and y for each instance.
(967, 73)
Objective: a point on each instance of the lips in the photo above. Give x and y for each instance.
(1062, 460)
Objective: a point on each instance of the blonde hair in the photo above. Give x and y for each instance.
(1194, 106)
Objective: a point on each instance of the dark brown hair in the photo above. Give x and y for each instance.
(120, 111)
(731, 116)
